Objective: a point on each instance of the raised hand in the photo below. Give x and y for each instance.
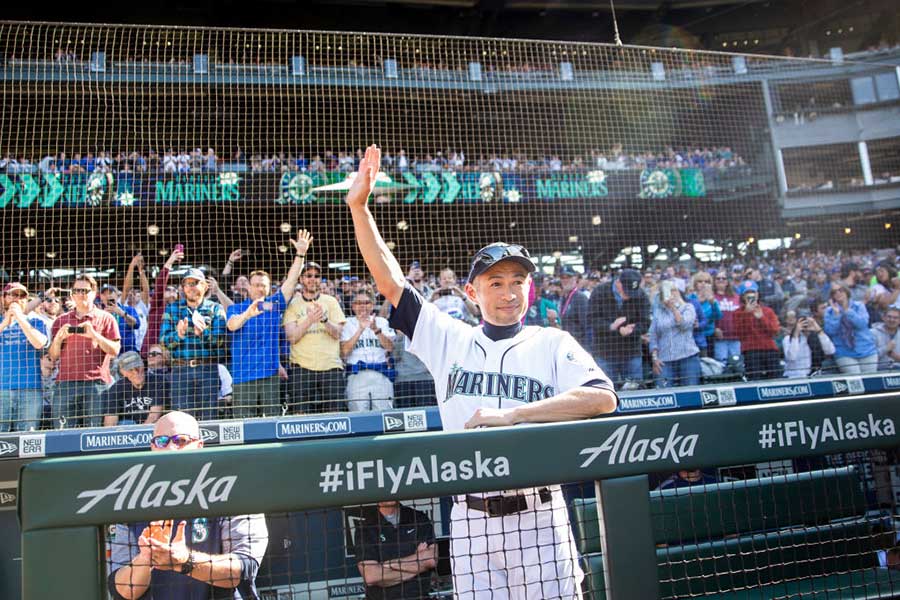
(254, 309)
(301, 244)
(174, 257)
(235, 255)
(364, 182)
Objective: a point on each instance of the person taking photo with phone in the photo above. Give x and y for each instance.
(254, 327)
(805, 347)
(85, 340)
(756, 326)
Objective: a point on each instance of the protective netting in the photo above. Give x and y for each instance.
(136, 154)
(824, 525)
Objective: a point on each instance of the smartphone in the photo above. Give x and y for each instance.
(179, 247)
(267, 306)
(665, 288)
(76, 329)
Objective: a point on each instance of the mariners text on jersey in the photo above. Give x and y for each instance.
(496, 385)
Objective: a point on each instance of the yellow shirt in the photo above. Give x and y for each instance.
(316, 350)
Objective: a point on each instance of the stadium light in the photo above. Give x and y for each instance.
(285, 227)
(887, 225)
(573, 239)
(847, 230)
(51, 254)
(152, 229)
(391, 245)
(596, 220)
(512, 224)
(283, 249)
(29, 232)
(797, 236)
(402, 225)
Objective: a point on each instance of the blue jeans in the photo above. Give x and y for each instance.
(684, 371)
(77, 399)
(20, 410)
(726, 348)
(195, 390)
(620, 370)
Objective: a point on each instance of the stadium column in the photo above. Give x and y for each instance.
(779, 157)
(62, 563)
(626, 538)
(865, 164)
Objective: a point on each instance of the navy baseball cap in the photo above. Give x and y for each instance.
(630, 279)
(498, 252)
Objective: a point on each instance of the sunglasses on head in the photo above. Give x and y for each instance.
(179, 440)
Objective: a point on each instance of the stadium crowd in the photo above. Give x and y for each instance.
(233, 343)
(185, 161)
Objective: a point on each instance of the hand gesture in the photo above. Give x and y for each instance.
(176, 256)
(282, 373)
(253, 309)
(627, 329)
(182, 327)
(364, 183)
(213, 285)
(15, 310)
(657, 366)
(167, 555)
(890, 347)
(552, 316)
(757, 312)
(314, 314)
(617, 323)
(199, 323)
(63, 333)
(137, 262)
(89, 330)
(235, 255)
(301, 244)
(813, 325)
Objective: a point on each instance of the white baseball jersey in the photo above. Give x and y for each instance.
(368, 347)
(472, 371)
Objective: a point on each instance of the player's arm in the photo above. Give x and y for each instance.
(583, 402)
(388, 274)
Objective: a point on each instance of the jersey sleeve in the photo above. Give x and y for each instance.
(576, 368)
(436, 337)
(405, 315)
(123, 548)
(349, 329)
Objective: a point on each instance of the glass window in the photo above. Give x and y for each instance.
(863, 90)
(886, 84)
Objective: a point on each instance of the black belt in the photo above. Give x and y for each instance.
(193, 363)
(500, 506)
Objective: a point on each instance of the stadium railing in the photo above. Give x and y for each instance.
(818, 529)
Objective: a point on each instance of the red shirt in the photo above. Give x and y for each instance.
(157, 308)
(756, 334)
(80, 359)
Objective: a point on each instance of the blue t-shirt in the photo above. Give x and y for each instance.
(255, 346)
(127, 333)
(20, 363)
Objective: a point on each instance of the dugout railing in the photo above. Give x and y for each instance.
(66, 502)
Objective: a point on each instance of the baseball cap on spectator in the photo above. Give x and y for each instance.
(130, 360)
(311, 265)
(747, 287)
(194, 274)
(109, 288)
(594, 277)
(630, 279)
(13, 286)
(849, 268)
(498, 252)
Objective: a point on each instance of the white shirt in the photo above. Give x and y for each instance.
(368, 347)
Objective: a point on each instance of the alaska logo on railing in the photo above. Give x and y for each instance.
(625, 447)
(135, 487)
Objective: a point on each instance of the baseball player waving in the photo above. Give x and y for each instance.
(515, 544)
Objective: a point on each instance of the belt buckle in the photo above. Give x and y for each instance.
(193, 363)
(494, 506)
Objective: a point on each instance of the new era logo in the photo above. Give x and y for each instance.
(7, 498)
(8, 448)
(208, 435)
(709, 398)
(840, 386)
(393, 422)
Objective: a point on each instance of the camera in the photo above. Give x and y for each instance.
(76, 329)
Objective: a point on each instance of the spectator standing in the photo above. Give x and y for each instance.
(126, 317)
(85, 340)
(676, 358)
(708, 313)
(887, 340)
(542, 311)
(885, 292)
(805, 348)
(396, 552)
(847, 324)
(620, 314)
(366, 341)
(204, 557)
(756, 326)
(313, 324)
(414, 385)
(450, 299)
(49, 307)
(852, 279)
(193, 330)
(163, 295)
(573, 310)
(22, 339)
(416, 277)
(727, 343)
(255, 331)
(138, 299)
(137, 397)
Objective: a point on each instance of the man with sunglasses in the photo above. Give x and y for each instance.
(85, 340)
(138, 397)
(497, 374)
(215, 557)
(22, 340)
(193, 330)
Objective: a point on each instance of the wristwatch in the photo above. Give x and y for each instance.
(188, 565)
